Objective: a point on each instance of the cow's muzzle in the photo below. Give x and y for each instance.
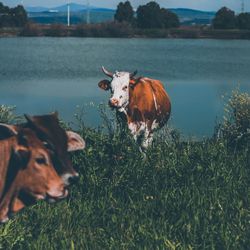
(53, 199)
(113, 102)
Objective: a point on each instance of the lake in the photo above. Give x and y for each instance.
(40, 75)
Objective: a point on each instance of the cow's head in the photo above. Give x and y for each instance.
(119, 86)
(59, 141)
(38, 177)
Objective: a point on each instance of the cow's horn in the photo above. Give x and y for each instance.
(106, 72)
(131, 75)
(28, 118)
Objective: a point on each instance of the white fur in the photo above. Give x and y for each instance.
(155, 125)
(4, 220)
(65, 178)
(119, 83)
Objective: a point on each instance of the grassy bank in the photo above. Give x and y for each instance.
(123, 31)
(185, 195)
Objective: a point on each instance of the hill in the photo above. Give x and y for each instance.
(78, 14)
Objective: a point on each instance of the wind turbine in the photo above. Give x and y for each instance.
(68, 16)
(88, 13)
(242, 6)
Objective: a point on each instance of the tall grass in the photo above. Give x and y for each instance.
(185, 195)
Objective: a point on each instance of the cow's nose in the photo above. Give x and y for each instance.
(73, 179)
(113, 102)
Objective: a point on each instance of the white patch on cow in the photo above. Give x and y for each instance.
(137, 129)
(156, 107)
(4, 220)
(155, 125)
(65, 178)
(133, 129)
(148, 138)
(120, 89)
(123, 110)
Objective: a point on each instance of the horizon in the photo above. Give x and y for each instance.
(204, 5)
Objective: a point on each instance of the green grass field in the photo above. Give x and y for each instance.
(185, 195)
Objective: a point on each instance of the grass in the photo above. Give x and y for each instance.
(185, 195)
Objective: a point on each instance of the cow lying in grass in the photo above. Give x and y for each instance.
(25, 166)
(47, 134)
(143, 101)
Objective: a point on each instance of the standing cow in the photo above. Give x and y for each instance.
(144, 102)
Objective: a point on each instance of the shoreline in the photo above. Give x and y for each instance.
(120, 31)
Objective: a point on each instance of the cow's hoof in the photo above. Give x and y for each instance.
(4, 220)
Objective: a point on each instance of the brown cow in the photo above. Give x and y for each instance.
(143, 101)
(59, 141)
(25, 167)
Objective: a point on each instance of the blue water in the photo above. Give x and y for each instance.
(40, 75)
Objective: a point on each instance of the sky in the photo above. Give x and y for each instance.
(209, 5)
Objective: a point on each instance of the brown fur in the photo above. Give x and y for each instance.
(141, 102)
(22, 171)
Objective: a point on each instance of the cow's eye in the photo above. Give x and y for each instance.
(124, 88)
(41, 160)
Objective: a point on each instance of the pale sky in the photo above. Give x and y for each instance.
(213, 5)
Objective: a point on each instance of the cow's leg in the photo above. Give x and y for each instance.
(133, 127)
(137, 130)
(147, 139)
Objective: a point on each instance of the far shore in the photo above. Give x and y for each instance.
(112, 30)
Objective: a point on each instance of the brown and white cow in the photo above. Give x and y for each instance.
(144, 102)
(25, 167)
(59, 141)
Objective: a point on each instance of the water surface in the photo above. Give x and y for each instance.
(39, 75)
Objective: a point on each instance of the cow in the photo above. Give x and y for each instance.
(142, 101)
(59, 141)
(25, 167)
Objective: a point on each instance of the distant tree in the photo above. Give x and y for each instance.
(224, 19)
(124, 12)
(243, 21)
(169, 19)
(3, 9)
(149, 16)
(152, 16)
(19, 16)
(16, 16)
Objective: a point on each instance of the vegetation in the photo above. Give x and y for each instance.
(185, 195)
(150, 20)
(149, 16)
(124, 12)
(243, 21)
(236, 126)
(152, 16)
(12, 17)
(226, 19)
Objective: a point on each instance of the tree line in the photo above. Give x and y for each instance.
(152, 16)
(149, 16)
(226, 19)
(12, 17)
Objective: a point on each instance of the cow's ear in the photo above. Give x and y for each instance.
(7, 131)
(104, 84)
(55, 114)
(75, 141)
(133, 82)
